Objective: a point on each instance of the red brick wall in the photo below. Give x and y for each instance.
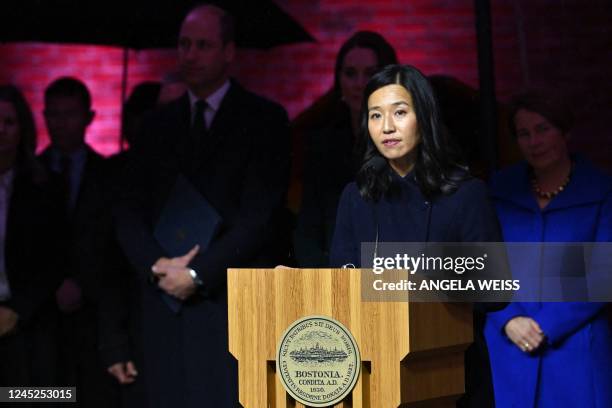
(436, 36)
(32, 66)
(535, 42)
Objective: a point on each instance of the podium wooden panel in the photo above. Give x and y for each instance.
(412, 353)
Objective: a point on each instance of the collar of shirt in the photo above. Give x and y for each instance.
(214, 102)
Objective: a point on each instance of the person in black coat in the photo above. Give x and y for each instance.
(78, 173)
(233, 147)
(412, 188)
(30, 259)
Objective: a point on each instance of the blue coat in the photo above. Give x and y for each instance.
(574, 369)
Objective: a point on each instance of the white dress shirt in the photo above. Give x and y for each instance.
(213, 103)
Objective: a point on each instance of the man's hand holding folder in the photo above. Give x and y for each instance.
(187, 224)
(173, 274)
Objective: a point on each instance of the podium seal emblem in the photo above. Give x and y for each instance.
(318, 361)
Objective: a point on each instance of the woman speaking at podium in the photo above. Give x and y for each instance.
(411, 187)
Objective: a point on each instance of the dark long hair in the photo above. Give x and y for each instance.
(329, 108)
(438, 169)
(25, 161)
(385, 54)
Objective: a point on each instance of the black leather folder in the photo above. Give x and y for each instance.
(186, 219)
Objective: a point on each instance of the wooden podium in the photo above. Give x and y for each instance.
(412, 353)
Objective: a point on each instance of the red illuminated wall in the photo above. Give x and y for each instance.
(535, 42)
(560, 45)
(435, 36)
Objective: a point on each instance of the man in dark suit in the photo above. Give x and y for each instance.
(75, 165)
(79, 172)
(233, 147)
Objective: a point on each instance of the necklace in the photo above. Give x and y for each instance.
(550, 194)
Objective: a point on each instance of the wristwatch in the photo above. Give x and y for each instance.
(195, 277)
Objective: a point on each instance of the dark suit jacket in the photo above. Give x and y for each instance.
(83, 244)
(83, 222)
(242, 170)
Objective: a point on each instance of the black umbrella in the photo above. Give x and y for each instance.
(139, 24)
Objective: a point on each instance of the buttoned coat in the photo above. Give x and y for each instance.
(574, 367)
(241, 169)
(463, 216)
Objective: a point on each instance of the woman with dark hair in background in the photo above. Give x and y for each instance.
(331, 160)
(411, 188)
(18, 135)
(28, 257)
(550, 354)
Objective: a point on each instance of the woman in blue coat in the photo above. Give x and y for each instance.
(550, 354)
(411, 189)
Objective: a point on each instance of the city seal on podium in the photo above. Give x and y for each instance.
(318, 361)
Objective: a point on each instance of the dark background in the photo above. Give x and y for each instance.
(563, 44)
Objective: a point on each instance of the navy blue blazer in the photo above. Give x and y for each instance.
(464, 216)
